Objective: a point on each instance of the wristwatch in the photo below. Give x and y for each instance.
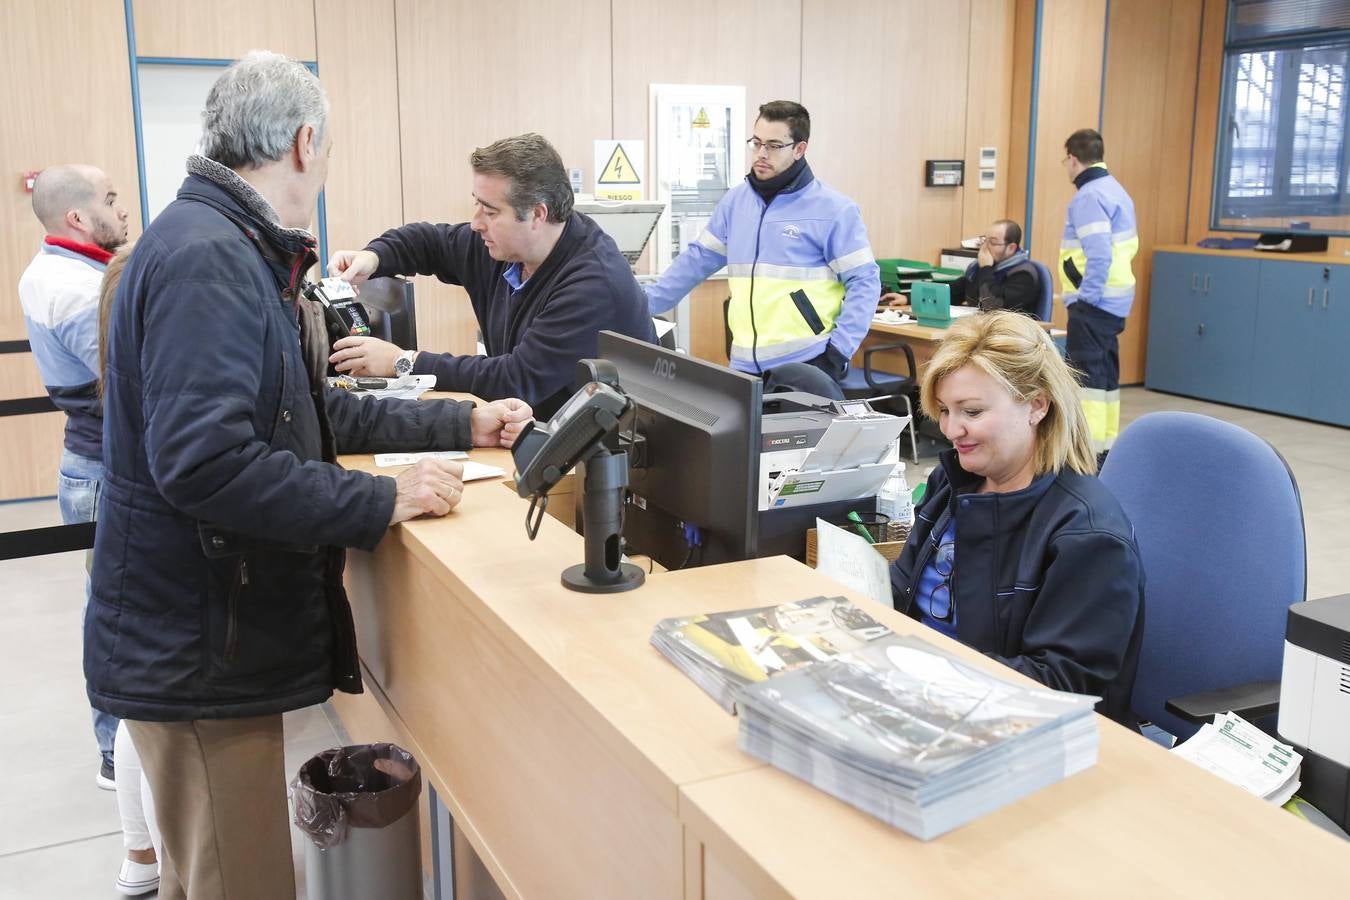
(403, 365)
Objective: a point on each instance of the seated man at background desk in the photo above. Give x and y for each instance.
(803, 281)
(543, 280)
(1002, 277)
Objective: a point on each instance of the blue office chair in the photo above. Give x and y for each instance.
(393, 313)
(1046, 307)
(1219, 522)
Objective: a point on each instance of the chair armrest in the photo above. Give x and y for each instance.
(902, 346)
(1251, 701)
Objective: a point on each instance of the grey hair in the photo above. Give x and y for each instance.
(256, 107)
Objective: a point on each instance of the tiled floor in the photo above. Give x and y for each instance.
(59, 834)
(60, 837)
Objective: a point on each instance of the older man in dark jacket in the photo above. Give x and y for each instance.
(217, 599)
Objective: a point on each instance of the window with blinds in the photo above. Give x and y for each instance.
(1282, 157)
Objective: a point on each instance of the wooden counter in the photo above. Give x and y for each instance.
(577, 762)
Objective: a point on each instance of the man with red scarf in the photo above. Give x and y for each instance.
(79, 209)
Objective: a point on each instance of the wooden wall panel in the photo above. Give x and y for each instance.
(1209, 85)
(1147, 128)
(229, 30)
(989, 92)
(657, 42)
(1072, 32)
(1019, 133)
(470, 73)
(359, 70)
(66, 91)
(886, 86)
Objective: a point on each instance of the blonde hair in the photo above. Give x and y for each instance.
(112, 275)
(1016, 352)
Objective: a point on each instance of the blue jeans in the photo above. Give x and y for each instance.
(79, 484)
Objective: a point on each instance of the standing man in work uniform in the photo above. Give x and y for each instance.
(804, 283)
(1094, 260)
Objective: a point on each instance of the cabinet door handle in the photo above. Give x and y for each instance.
(1195, 282)
(1310, 297)
(1326, 297)
(1200, 329)
(1206, 282)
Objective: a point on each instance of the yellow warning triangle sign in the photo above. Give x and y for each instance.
(701, 120)
(619, 169)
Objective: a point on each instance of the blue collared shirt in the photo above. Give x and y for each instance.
(511, 274)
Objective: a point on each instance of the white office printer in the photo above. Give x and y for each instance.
(1315, 700)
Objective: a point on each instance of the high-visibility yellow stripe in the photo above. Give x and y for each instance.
(1102, 409)
(777, 319)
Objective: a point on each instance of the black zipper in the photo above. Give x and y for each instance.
(754, 329)
(232, 611)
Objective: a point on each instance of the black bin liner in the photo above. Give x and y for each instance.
(362, 786)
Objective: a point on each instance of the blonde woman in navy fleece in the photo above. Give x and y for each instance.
(1018, 550)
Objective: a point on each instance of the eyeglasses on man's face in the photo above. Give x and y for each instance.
(756, 145)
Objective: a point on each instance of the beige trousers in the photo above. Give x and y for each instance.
(220, 797)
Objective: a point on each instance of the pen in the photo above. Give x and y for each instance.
(859, 527)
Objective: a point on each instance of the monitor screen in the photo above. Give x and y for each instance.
(699, 463)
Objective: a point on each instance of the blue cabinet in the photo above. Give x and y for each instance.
(1331, 368)
(1288, 322)
(1271, 334)
(1202, 326)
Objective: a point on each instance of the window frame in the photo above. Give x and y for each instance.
(1282, 203)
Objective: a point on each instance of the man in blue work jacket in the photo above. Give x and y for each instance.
(804, 283)
(1094, 262)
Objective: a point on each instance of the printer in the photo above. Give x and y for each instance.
(1315, 701)
(818, 458)
(854, 460)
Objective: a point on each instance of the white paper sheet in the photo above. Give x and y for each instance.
(385, 460)
(850, 560)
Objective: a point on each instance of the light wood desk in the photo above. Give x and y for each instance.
(922, 339)
(577, 762)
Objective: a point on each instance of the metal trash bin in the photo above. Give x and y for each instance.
(358, 805)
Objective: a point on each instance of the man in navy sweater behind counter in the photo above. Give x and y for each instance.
(542, 278)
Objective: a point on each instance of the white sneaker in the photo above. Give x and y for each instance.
(137, 878)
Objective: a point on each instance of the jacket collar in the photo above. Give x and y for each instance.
(1092, 173)
(1016, 259)
(222, 188)
(793, 179)
(964, 482)
(90, 252)
(574, 232)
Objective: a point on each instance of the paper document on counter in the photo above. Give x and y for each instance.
(385, 460)
(1239, 752)
(852, 562)
(473, 471)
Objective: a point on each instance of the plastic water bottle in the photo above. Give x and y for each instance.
(893, 500)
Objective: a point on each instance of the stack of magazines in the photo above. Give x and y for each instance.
(724, 652)
(914, 736)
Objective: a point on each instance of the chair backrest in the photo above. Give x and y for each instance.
(1219, 522)
(393, 314)
(1045, 308)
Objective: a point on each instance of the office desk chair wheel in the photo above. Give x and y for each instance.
(875, 385)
